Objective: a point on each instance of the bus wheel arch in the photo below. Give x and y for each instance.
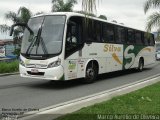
(141, 64)
(91, 71)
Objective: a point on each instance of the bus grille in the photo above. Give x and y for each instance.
(39, 73)
(40, 66)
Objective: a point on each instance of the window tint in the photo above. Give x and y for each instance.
(97, 31)
(108, 33)
(151, 40)
(74, 35)
(131, 39)
(145, 39)
(104, 33)
(90, 31)
(94, 31)
(138, 38)
(120, 35)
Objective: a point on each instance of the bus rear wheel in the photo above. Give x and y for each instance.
(141, 65)
(91, 73)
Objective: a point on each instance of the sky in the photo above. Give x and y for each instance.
(129, 12)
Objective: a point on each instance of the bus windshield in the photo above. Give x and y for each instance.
(46, 38)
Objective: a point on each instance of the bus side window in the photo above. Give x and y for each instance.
(146, 39)
(131, 37)
(104, 33)
(89, 27)
(152, 42)
(93, 31)
(120, 35)
(90, 31)
(74, 35)
(108, 33)
(97, 31)
(71, 39)
(138, 38)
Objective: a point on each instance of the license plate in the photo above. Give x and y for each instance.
(34, 71)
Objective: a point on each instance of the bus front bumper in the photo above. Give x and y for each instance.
(46, 74)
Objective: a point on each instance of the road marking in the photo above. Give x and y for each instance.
(74, 105)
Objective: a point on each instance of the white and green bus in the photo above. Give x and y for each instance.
(66, 46)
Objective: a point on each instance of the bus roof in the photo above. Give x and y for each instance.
(70, 14)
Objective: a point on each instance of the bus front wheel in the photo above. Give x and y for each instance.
(91, 73)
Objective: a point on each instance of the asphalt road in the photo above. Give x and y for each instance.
(17, 92)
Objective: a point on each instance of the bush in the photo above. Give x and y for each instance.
(9, 67)
(17, 52)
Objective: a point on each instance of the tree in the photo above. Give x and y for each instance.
(92, 14)
(85, 13)
(114, 21)
(61, 6)
(103, 17)
(154, 19)
(89, 6)
(22, 15)
(39, 13)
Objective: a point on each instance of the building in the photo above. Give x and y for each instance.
(6, 42)
(7, 48)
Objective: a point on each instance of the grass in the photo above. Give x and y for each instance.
(142, 102)
(9, 67)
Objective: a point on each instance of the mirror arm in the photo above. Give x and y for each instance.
(20, 24)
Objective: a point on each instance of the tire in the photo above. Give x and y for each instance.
(141, 65)
(91, 73)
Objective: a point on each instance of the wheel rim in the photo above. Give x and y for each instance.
(90, 73)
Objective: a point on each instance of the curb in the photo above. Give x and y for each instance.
(7, 74)
(55, 111)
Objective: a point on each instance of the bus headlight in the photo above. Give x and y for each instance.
(21, 62)
(55, 64)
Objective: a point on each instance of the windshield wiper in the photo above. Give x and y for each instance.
(43, 46)
(39, 40)
(32, 43)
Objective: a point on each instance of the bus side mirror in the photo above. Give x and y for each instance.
(11, 31)
(20, 24)
(13, 26)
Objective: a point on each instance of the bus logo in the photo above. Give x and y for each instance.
(129, 57)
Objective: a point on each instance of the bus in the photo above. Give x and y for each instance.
(67, 45)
